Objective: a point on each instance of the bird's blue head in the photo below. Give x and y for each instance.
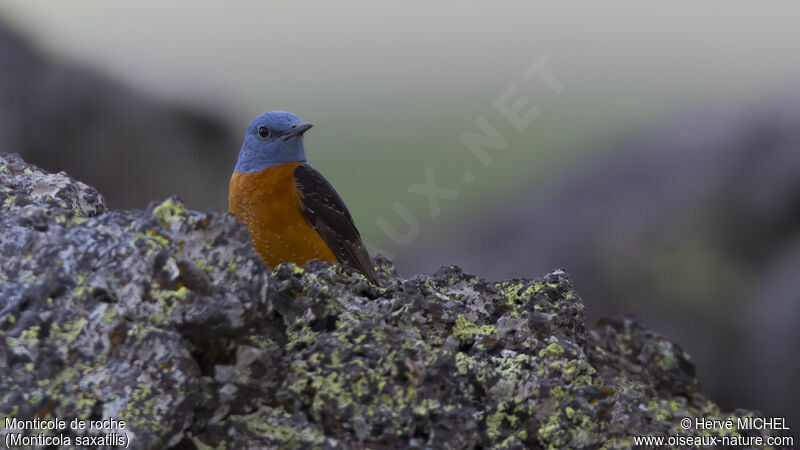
(272, 139)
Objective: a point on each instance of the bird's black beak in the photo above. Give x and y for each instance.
(298, 130)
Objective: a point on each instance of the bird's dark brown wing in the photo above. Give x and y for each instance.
(325, 212)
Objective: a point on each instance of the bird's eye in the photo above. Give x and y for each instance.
(263, 131)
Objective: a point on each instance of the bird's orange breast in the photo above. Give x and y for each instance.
(268, 202)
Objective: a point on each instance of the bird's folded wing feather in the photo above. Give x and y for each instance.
(325, 212)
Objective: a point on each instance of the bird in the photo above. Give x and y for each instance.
(293, 213)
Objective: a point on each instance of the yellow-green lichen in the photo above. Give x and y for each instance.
(201, 263)
(140, 411)
(552, 350)
(464, 363)
(426, 406)
(330, 387)
(514, 440)
(109, 315)
(29, 335)
(277, 426)
(493, 423)
(262, 342)
(551, 432)
(169, 212)
(153, 240)
(9, 201)
(301, 336)
(466, 330)
(559, 393)
(168, 300)
(517, 293)
(179, 293)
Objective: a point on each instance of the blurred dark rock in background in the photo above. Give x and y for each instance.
(695, 228)
(131, 147)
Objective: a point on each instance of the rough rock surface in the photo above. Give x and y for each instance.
(166, 319)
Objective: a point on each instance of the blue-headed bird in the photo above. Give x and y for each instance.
(292, 212)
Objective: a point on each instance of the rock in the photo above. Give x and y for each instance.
(167, 320)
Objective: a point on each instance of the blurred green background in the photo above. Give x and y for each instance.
(147, 99)
(392, 86)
